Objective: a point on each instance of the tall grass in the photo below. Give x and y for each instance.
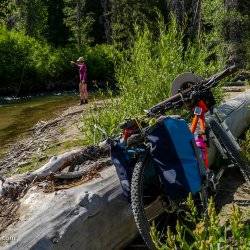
(144, 73)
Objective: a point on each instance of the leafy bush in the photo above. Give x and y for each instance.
(145, 72)
(14, 57)
(100, 62)
(28, 65)
(206, 232)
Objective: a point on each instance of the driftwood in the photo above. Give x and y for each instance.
(40, 127)
(234, 89)
(44, 125)
(14, 186)
(80, 173)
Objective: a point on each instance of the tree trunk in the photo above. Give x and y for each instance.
(188, 16)
(106, 19)
(235, 31)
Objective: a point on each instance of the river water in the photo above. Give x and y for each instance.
(18, 116)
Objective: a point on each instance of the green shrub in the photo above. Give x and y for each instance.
(14, 57)
(201, 233)
(28, 65)
(100, 62)
(144, 74)
(25, 62)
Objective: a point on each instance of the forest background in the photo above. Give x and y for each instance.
(38, 38)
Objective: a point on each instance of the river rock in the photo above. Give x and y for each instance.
(93, 215)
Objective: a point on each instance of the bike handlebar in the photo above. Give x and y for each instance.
(217, 77)
(187, 94)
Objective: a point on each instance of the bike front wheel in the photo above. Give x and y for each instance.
(152, 207)
(147, 204)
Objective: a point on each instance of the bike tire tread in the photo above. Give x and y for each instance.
(137, 203)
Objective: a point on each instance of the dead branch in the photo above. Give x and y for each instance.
(14, 186)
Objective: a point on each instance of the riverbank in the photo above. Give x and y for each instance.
(46, 139)
(17, 116)
(34, 131)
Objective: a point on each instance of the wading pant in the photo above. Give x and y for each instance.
(83, 91)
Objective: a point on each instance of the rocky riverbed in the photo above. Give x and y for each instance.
(46, 139)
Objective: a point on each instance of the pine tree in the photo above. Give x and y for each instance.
(95, 10)
(57, 32)
(236, 30)
(7, 13)
(125, 14)
(78, 21)
(32, 17)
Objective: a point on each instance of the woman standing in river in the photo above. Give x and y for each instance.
(80, 63)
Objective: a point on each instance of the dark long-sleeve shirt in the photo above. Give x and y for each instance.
(82, 71)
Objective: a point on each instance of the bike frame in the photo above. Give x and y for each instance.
(199, 118)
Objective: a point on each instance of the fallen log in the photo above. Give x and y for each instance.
(93, 215)
(80, 173)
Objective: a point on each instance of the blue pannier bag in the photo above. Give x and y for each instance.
(173, 158)
(173, 152)
(124, 165)
(124, 160)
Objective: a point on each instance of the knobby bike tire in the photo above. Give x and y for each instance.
(232, 152)
(139, 206)
(137, 202)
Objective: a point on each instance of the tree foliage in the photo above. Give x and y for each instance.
(82, 24)
(7, 12)
(57, 32)
(125, 14)
(78, 21)
(31, 16)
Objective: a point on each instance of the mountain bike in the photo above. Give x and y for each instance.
(160, 160)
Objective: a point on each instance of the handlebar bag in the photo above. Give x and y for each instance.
(173, 152)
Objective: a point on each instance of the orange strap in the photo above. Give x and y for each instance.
(194, 123)
(201, 120)
(202, 124)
